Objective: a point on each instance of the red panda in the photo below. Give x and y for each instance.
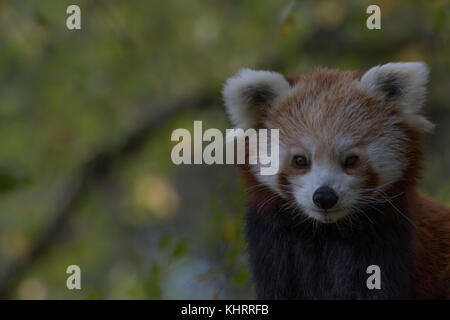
(351, 147)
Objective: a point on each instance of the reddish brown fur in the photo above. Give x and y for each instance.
(430, 270)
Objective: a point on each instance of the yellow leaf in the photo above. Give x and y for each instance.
(156, 195)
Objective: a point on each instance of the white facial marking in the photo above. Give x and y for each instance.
(330, 175)
(327, 171)
(384, 160)
(271, 180)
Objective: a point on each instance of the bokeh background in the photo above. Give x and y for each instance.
(86, 118)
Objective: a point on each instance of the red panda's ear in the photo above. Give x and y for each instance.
(404, 85)
(248, 92)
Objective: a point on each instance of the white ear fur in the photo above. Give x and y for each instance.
(249, 89)
(405, 84)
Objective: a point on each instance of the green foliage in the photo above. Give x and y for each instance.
(10, 180)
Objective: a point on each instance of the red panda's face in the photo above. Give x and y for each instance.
(342, 138)
(338, 145)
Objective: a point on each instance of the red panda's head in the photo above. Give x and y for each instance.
(345, 137)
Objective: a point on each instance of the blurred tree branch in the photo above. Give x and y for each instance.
(97, 168)
(90, 173)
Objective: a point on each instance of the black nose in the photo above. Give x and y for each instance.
(325, 198)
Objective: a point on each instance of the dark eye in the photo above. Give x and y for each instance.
(351, 162)
(300, 162)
